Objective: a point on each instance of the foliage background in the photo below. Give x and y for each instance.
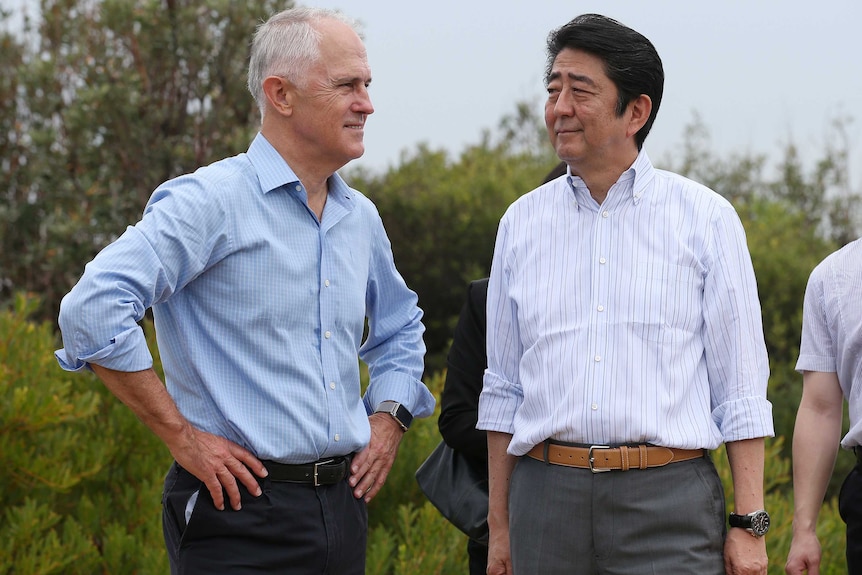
(100, 101)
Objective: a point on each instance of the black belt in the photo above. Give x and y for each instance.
(323, 472)
(858, 451)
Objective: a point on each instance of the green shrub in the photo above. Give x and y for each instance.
(80, 483)
(81, 480)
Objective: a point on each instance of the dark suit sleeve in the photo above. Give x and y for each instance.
(467, 360)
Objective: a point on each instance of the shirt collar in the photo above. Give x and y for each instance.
(273, 172)
(636, 178)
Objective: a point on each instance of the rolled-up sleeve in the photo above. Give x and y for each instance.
(99, 316)
(394, 349)
(736, 356)
(501, 391)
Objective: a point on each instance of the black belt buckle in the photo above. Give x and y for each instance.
(316, 473)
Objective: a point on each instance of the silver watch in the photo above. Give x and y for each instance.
(398, 412)
(756, 522)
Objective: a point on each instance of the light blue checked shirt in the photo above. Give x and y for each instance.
(259, 309)
(634, 321)
(832, 328)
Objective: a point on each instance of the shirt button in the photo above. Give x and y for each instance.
(337, 437)
(331, 385)
(326, 283)
(602, 260)
(327, 334)
(594, 406)
(298, 188)
(605, 214)
(598, 358)
(601, 308)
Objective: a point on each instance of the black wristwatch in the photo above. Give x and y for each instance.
(756, 522)
(398, 412)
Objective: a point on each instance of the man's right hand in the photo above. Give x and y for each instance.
(214, 460)
(804, 555)
(219, 462)
(499, 554)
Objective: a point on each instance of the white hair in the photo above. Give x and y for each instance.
(287, 45)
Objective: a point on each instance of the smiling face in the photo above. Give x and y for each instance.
(581, 115)
(330, 109)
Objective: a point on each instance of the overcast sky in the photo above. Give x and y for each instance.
(759, 73)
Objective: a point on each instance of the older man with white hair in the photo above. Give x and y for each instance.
(261, 270)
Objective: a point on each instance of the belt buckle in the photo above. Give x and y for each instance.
(316, 465)
(591, 459)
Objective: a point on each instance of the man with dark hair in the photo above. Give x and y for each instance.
(624, 342)
(261, 270)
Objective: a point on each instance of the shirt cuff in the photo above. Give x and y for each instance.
(127, 352)
(409, 392)
(744, 418)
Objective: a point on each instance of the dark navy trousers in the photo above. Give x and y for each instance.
(291, 529)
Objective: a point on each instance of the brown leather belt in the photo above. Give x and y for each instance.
(599, 458)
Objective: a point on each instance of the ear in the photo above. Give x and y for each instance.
(639, 109)
(279, 94)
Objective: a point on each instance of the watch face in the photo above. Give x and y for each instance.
(760, 523)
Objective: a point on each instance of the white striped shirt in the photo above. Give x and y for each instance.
(832, 328)
(634, 321)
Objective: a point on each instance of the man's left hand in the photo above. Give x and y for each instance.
(371, 466)
(744, 554)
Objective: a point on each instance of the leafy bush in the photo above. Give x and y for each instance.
(80, 483)
(81, 480)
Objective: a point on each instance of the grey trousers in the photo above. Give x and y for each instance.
(662, 520)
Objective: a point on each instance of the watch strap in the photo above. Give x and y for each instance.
(398, 412)
(756, 522)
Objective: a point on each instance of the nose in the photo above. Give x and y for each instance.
(363, 103)
(563, 106)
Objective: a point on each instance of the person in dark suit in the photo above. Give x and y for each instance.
(459, 403)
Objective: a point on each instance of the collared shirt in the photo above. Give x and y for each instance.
(259, 309)
(832, 328)
(633, 321)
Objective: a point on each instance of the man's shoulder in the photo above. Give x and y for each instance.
(227, 173)
(683, 183)
(544, 194)
(230, 168)
(683, 188)
(845, 261)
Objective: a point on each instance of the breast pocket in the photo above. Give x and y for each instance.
(666, 303)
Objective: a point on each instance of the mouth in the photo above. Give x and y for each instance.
(561, 131)
(358, 124)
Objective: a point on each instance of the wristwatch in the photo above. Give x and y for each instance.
(398, 412)
(756, 522)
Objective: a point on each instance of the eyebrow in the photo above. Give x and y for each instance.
(575, 77)
(351, 79)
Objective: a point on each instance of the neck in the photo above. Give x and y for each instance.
(313, 175)
(600, 178)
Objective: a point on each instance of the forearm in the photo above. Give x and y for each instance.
(500, 466)
(746, 466)
(816, 437)
(145, 394)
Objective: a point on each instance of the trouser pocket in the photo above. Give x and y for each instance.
(178, 504)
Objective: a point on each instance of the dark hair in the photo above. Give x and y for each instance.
(631, 61)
